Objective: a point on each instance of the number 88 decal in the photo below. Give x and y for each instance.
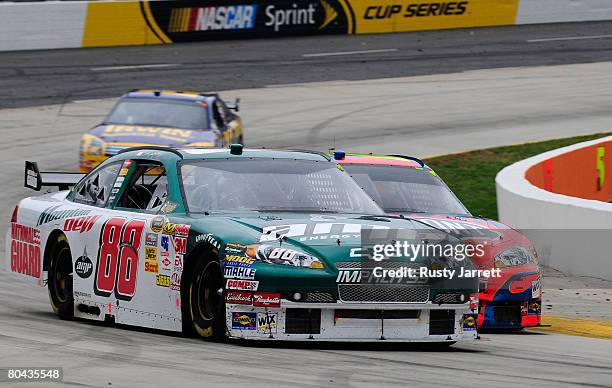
(118, 258)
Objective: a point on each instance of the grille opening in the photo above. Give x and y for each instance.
(303, 321)
(508, 312)
(378, 293)
(441, 322)
(378, 314)
(454, 298)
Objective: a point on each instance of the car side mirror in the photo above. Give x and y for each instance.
(236, 106)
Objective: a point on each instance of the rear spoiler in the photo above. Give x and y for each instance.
(35, 180)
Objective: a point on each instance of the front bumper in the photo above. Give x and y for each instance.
(363, 322)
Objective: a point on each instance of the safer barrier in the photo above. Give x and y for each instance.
(43, 25)
(559, 200)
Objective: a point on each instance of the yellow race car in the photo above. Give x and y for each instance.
(164, 118)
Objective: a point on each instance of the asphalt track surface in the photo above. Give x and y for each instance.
(97, 355)
(57, 76)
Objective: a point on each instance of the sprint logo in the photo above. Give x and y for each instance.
(294, 15)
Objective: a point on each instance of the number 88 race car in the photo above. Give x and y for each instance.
(226, 243)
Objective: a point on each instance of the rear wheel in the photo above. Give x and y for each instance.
(60, 280)
(206, 304)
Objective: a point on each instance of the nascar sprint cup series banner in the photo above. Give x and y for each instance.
(184, 21)
(158, 22)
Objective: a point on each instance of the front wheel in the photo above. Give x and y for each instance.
(60, 280)
(206, 303)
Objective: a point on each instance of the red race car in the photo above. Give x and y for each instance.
(406, 186)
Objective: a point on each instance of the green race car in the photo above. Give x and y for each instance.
(234, 243)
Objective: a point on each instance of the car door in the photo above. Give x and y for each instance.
(94, 239)
(110, 240)
(142, 202)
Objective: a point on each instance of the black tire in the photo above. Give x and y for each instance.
(60, 280)
(206, 305)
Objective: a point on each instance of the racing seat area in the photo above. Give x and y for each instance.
(136, 197)
(146, 190)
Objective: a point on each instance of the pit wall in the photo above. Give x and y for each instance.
(49, 24)
(559, 200)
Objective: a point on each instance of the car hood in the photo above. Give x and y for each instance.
(116, 133)
(498, 236)
(331, 238)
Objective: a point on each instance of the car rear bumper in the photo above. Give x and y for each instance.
(353, 322)
(510, 314)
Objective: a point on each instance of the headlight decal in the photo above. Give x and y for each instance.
(514, 256)
(284, 256)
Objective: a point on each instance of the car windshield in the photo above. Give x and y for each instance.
(272, 185)
(160, 113)
(406, 190)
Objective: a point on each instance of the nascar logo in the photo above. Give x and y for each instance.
(233, 17)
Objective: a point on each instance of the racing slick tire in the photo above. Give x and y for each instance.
(206, 301)
(60, 280)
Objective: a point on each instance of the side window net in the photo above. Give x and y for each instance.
(96, 189)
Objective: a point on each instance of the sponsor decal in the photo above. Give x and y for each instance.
(245, 285)
(265, 299)
(150, 253)
(239, 273)
(80, 224)
(80, 294)
(415, 15)
(254, 18)
(151, 267)
(316, 231)
(166, 264)
(25, 250)
(233, 17)
(244, 321)
(123, 171)
(375, 275)
(162, 280)
(235, 248)
(182, 230)
(165, 243)
(151, 239)
(83, 266)
(175, 281)
(141, 131)
(535, 308)
(267, 323)
(169, 229)
(469, 322)
(157, 223)
(180, 245)
(239, 261)
(416, 10)
(169, 207)
(536, 288)
(57, 213)
(178, 263)
(238, 297)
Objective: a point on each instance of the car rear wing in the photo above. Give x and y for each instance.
(35, 180)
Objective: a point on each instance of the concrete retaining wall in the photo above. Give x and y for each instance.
(573, 235)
